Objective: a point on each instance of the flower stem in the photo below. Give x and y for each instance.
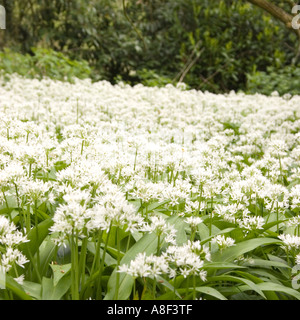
(118, 264)
(99, 288)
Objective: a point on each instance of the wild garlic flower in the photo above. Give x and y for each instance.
(146, 266)
(290, 241)
(34, 190)
(295, 196)
(193, 221)
(162, 228)
(12, 256)
(70, 219)
(186, 260)
(223, 242)
(294, 221)
(251, 223)
(10, 238)
(9, 235)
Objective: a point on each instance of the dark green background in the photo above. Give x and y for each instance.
(233, 45)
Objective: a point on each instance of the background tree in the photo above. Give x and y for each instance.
(215, 45)
(281, 14)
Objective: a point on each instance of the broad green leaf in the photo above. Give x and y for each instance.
(222, 265)
(147, 244)
(179, 225)
(212, 292)
(275, 287)
(269, 295)
(206, 290)
(203, 231)
(60, 271)
(249, 283)
(215, 233)
(47, 250)
(266, 263)
(240, 248)
(33, 289)
(155, 205)
(55, 292)
(15, 287)
(30, 248)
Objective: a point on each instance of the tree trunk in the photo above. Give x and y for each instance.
(275, 11)
(281, 15)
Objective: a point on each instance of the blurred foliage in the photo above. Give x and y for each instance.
(43, 63)
(209, 44)
(285, 80)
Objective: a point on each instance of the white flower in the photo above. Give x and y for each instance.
(290, 241)
(250, 223)
(223, 242)
(193, 221)
(161, 227)
(146, 266)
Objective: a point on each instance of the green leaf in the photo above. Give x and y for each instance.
(167, 284)
(251, 285)
(60, 271)
(147, 244)
(206, 290)
(217, 232)
(30, 248)
(275, 287)
(212, 292)
(34, 289)
(55, 292)
(266, 263)
(222, 265)
(240, 248)
(109, 260)
(47, 250)
(15, 287)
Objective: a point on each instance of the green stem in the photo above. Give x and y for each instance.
(82, 260)
(154, 288)
(118, 264)
(277, 216)
(135, 157)
(174, 291)
(187, 287)
(37, 233)
(35, 266)
(128, 242)
(97, 253)
(17, 195)
(99, 289)
(134, 288)
(82, 145)
(194, 287)
(28, 219)
(7, 206)
(74, 269)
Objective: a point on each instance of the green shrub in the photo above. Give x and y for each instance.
(151, 79)
(284, 80)
(43, 63)
(164, 37)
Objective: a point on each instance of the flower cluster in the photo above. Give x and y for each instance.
(97, 156)
(10, 238)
